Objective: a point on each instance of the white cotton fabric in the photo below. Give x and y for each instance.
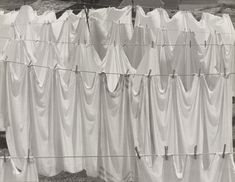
(180, 119)
(212, 29)
(115, 133)
(50, 41)
(101, 22)
(193, 170)
(70, 118)
(8, 171)
(136, 47)
(55, 110)
(61, 126)
(184, 21)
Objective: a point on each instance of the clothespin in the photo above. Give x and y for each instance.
(225, 74)
(152, 44)
(166, 152)
(149, 72)
(114, 43)
(30, 64)
(137, 153)
(223, 155)
(127, 72)
(55, 66)
(5, 158)
(6, 57)
(173, 74)
(28, 158)
(190, 43)
(76, 69)
(199, 72)
(195, 152)
(205, 43)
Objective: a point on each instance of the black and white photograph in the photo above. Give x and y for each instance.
(117, 91)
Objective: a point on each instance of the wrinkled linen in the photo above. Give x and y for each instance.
(180, 119)
(211, 28)
(49, 41)
(57, 112)
(191, 169)
(184, 21)
(8, 171)
(69, 118)
(116, 136)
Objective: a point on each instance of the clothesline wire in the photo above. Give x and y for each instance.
(108, 73)
(118, 156)
(121, 44)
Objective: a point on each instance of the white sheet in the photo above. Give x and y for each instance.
(180, 119)
(51, 41)
(115, 132)
(58, 112)
(8, 171)
(70, 118)
(192, 170)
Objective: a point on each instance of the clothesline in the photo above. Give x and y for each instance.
(134, 74)
(117, 156)
(205, 44)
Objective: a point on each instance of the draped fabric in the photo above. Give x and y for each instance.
(72, 120)
(192, 170)
(9, 172)
(63, 116)
(172, 116)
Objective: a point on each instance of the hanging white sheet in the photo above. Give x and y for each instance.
(115, 60)
(193, 170)
(56, 112)
(62, 113)
(9, 173)
(101, 22)
(115, 132)
(67, 117)
(180, 119)
(50, 41)
(205, 36)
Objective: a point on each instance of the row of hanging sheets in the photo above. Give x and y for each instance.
(76, 115)
(108, 42)
(62, 118)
